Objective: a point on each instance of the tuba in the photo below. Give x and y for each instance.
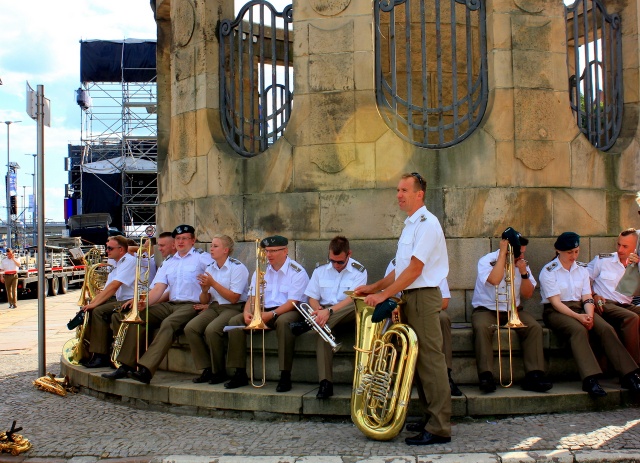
(384, 367)
(257, 301)
(513, 320)
(76, 349)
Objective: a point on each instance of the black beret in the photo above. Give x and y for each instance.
(180, 229)
(567, 241)
(513, 237)
(275, 240)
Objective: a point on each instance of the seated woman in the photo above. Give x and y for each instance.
(569, 312)
(224, 292)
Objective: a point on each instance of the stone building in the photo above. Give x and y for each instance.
(525, 162)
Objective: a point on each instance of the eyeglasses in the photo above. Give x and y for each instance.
(423, 182)
(337, 262)
(109, 248)
(272, 251)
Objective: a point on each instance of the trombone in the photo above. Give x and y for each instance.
(507, 297)
(257, 301)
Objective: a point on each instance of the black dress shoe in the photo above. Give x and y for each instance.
(98, 361)
(298, 328)
(426, 438)
(417, 426)
(120, 373)
(536, 382)
(326, 389)
(455, 391)
(239, 379)
(487, 383)
(284, 384)
(217, 378)
(591, 385)
(143, 375)
(204, 377)
(631, 381)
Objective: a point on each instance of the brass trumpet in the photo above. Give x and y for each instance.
(513, 320)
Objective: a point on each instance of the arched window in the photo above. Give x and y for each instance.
(594, 58)
(431, 68)
(256, 76)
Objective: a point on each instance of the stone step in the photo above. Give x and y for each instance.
(560, 364)
(176, 392)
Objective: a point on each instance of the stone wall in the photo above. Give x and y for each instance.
(336, 168)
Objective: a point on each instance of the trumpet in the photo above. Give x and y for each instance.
(513, 320)
(323, 331)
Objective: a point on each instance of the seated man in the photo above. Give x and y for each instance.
(286, 281)
(491, 274)
(118, 288)
(179, 277)
(605, 271)
(331, 306)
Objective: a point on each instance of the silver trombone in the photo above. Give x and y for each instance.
(323, 331)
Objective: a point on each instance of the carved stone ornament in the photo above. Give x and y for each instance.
(184, 22)
(186, 169)
(334, 162)
(329, 7)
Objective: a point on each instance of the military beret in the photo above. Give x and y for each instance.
(275, 240)
(513, 237)
(180, 229)
(567, 241)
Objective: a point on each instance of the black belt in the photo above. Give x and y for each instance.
(269, 309)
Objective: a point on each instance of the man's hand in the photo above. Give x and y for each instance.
(247, 318)
(321, 316)
(504, 244)
(633, 258)
(364, 289)
(200, 307)
(126, 305)
(521, 264)
(375, 299)
(599, 303)
(586, 320)
(87, 307)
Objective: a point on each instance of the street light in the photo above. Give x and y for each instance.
(7, 186)
(33, 212)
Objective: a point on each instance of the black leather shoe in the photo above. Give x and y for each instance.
(217, 378)
(487, 383)
(426, 438)
(204, 377)
(298, 328)
(631, 381)
(536, 382)
(239, 379)
(284, 384)
(417, 426)
(98, 361)
(143, 375)
(455, 391)
(326, 389)
(591, 385)
(120, 373)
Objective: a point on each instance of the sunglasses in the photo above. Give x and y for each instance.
(418, 177)
(337, 262)
(109, 248)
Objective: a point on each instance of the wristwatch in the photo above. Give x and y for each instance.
(275, 315)
(330, 309)
(524, 276)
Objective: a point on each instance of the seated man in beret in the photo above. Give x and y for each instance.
(286, 281)
(491, 274)
(178, 277)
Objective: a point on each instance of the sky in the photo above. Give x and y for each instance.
(40, 44)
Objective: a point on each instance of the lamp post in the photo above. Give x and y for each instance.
(7, 186)
(35, 201)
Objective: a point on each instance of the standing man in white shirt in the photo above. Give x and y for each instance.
(492, 276)
(331, 306)
(9, 277)
(180, 276)
(605, 271)
(421, 264)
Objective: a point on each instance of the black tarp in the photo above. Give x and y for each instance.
(101, 193)
(128, 60)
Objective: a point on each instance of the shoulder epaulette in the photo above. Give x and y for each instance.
(394, 261)
(552, 266)
(582, 264)
(605, 255)
(423, 218)
(318, 264)
(493, 263)
(198, 250)
(295, 267)
(234, 260)
(123, 258)
(359, 267)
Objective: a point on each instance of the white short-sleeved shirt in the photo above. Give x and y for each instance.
(288, 283)
(124, 271)
(605, 271)
(484, 293)
(233, 275)
(423, 238)
(180, 275)
(148, 264)
(8, 265)
(570, 284)
(327, 285)
(444, 284)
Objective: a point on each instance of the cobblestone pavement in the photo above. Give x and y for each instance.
(80, 428)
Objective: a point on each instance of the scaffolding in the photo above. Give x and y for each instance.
(114, 170)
